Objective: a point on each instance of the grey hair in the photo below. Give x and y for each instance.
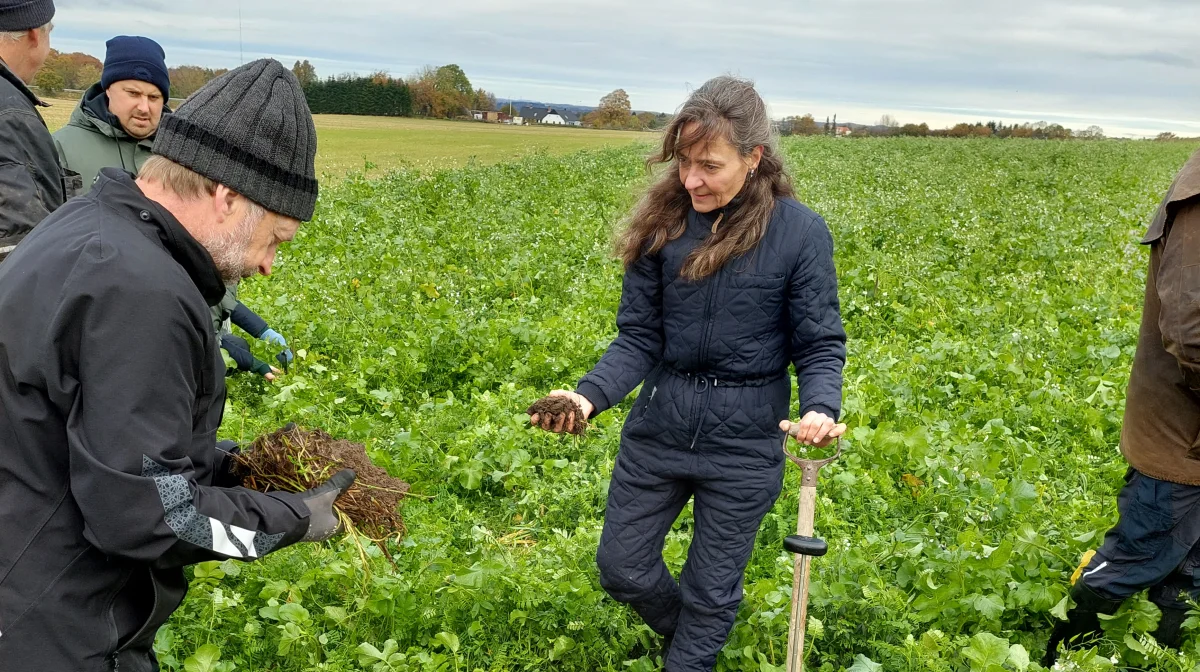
(14, 36)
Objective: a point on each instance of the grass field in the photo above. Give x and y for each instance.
(348, 143)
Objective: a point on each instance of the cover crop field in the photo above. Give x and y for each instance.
(991, 291)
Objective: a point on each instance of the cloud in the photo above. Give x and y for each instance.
(1071, 60)
(1159, 57)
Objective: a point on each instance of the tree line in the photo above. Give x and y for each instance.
(446, 92)
(888, 126)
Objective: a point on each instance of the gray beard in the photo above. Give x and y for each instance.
(229, 250)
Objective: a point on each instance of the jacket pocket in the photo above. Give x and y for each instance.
(167, 588)
(645, 398)
(756, 280)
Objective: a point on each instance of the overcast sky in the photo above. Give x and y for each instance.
(1131, 67)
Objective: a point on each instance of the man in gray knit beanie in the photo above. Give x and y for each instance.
(249, 130)
(130, 392)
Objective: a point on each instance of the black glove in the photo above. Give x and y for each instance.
(323, 522)
(223, 466)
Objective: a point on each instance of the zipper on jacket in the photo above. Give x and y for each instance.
(145, 626)
(706, 332)
(705, 336)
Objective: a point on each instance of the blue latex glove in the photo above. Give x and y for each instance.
(272, 336)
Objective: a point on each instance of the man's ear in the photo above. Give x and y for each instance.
(224, 202)
(36, 35)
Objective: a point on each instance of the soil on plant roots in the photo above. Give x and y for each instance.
(293, 459)
(555, 406)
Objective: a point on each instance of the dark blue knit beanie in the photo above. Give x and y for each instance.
(137, 58)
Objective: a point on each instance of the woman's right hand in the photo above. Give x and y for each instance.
(562, 422)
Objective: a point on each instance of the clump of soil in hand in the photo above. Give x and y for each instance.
(294, 460)
(556, 406)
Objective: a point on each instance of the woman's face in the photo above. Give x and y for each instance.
(713, 172)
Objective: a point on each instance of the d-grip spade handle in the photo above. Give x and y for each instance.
(808, 468)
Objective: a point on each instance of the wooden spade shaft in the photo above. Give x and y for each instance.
(804, 527)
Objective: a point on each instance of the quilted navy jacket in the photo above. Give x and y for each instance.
(775, 305)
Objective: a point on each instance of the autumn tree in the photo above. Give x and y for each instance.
(482, 100)
(645, 120)
(187, 79)
(804, 125)
(305, 72)
(614, 111)
(424, 94)
(446, 92)
(75, 70)
(85, 76)
(455, 89)
(49, 81)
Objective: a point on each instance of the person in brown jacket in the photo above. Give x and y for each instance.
(1154, 544)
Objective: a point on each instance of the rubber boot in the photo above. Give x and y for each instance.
(1083, 621)
(1169, 631)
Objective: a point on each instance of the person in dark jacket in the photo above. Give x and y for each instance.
(110, 477)
(231, 311)
(728, 280)
(1155, 543)
(115, 122)
(31, 181)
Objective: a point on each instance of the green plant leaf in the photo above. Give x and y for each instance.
(986, 652)
(449, 640)
(561, 646)
(864, 664)
(204, 659)
(1018, 656)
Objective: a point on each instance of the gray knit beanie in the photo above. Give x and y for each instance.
(250, 130)
(18, 15)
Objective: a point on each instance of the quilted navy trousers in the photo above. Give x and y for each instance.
(717, 443)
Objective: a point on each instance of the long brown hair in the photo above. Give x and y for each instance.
(724, 107)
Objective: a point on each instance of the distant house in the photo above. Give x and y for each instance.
(547, 115)
(571, 118)
(844, 130)
(532, 115)
(485, 115)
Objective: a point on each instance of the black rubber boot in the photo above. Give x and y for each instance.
(1169, 632)
(1082, 624)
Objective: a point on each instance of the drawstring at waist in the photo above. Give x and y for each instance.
(701, 382)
